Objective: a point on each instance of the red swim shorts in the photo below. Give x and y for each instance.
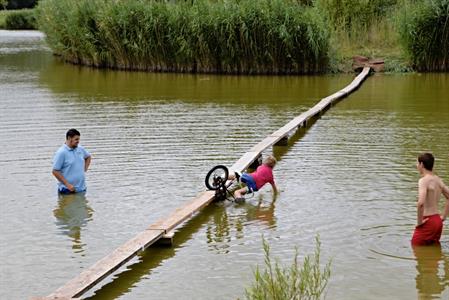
(428, 232)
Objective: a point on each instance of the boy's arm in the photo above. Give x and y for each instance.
(445, 190)
(275, 189)
(422, 194)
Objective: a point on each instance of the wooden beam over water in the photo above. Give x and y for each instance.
(110, 263)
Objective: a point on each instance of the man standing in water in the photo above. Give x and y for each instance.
(430, 223)
(70, 163)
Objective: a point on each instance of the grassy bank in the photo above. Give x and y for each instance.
(363, 28)
(249, 37)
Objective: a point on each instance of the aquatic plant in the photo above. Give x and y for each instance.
(227, 36)
(306, 281)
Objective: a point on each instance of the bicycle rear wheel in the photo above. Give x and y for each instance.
(216, 177)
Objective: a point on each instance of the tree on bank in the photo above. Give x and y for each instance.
(17, 4)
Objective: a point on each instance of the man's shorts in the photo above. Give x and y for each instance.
(249, 181)
(66, 191)
(428, 232)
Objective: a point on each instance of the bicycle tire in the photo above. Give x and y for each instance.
(209, 177)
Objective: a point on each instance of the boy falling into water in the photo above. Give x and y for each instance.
(430, 223)
(256, 180)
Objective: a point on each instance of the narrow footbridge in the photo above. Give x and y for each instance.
(163, 229)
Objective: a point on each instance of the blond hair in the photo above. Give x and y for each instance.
(270, 161)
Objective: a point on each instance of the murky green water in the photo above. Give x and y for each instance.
(350, 178)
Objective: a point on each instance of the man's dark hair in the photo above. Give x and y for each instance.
(71, 133)
(427, 160)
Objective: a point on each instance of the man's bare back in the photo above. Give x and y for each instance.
(430, 189)
(429, 222)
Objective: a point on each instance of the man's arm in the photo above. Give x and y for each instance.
(445, 190)
(87, 161)
(61, 178)
(422, 194)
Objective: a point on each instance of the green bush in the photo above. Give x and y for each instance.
(424, 32)
(21, 19)
(227, 36)
(306, 281)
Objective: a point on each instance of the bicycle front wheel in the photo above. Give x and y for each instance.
(217, 176)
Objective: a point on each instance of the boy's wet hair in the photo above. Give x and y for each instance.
(427, 160)
(71, 133)
(269, 161)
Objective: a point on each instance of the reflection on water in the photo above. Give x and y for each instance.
(432, 266)
(230, 219)
(72, 214)
(262, 211)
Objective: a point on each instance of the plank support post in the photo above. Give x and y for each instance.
(166, 239)
(282, 142)
(257, 162)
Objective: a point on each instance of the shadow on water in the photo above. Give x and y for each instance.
(72, 214)
(432, 266)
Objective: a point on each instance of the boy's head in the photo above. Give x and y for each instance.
(427, 160)
(269, 161)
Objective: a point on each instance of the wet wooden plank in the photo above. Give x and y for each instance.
(245, 161)
(265, 143)
(107, 265)
(184, 212)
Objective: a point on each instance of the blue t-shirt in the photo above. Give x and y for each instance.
(70, 162)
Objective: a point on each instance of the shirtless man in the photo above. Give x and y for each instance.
(430, 223)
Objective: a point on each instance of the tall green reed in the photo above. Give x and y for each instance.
(227, 36)
(424, 33)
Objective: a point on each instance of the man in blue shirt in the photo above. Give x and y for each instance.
(70, 163)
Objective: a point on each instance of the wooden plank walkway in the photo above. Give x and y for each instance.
(90, 277)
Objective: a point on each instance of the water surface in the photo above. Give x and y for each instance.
(350, 178)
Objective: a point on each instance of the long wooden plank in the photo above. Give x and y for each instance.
(184, 212)
(107, 265)
(245, 161)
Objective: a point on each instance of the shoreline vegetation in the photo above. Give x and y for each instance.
(245, 36)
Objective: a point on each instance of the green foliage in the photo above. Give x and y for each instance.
(21, 19)
(306, 281)
(228, 36)
(424, 32)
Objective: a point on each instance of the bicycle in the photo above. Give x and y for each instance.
(216, 180)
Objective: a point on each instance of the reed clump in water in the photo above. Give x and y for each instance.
(227, 36)
(306, 281)
(424, 33)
